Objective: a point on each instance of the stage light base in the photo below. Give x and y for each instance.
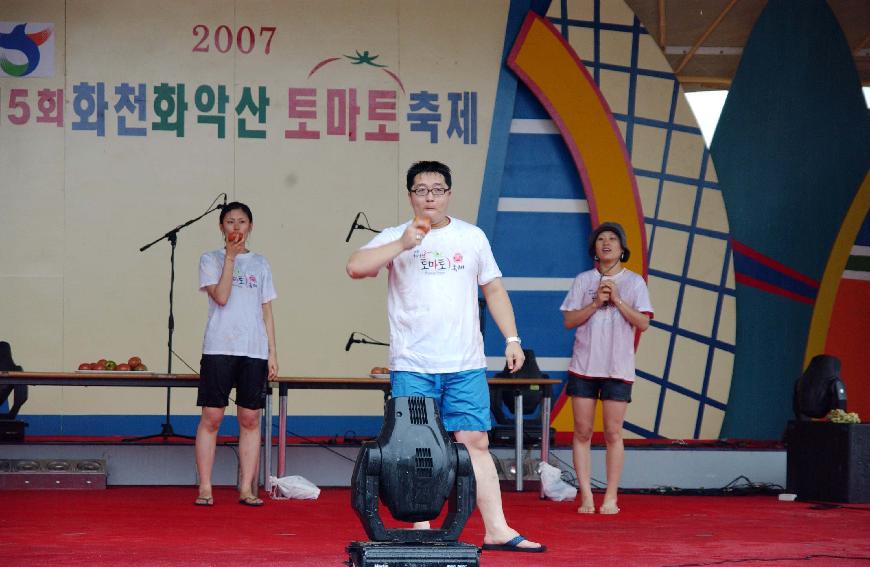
(390, 554)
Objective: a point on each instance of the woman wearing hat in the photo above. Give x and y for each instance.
(607, 306)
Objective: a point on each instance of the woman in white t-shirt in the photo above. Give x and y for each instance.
(238, 349)
(607, 305)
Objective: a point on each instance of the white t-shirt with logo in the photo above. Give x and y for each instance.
(237, 328)
(432, 298)
(604, 344)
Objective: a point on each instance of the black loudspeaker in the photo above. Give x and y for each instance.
(828, 461)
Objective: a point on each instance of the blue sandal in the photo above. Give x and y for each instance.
(513, 545)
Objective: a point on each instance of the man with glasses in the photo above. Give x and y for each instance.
(436, 263)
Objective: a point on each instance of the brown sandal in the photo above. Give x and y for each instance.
(203, 501)
(250, 500)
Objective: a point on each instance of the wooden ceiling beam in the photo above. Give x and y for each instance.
(663, 24)
(723, 82)
(710, 29)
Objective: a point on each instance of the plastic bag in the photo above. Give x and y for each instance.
(293, 487)
(554, 487)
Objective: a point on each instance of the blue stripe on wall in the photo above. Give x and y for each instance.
(745, 265)
(540, 323)
(520, 256)
(527, 105)
(863, 238)
(539, 166)
(134, 425)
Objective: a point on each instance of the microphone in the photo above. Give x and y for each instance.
(350, 341)
(353, 226)
(224, 206)
(364, 341)
(356, 225)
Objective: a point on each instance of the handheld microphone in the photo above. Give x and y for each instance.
(350, 341)
(353, 226)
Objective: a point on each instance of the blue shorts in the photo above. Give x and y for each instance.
(461, 397)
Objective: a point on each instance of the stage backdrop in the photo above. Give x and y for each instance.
(307, 112)
(121, 120)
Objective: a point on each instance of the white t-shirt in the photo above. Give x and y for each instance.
(237, 328)
(432, 298)
(604, 344)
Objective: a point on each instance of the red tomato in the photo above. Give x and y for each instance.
(99, 365)
(85, 366)
(426, 223)
(134, 361)
(123, 367)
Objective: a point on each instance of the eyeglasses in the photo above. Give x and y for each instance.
(422, 190)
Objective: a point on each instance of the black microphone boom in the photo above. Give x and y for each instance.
(356, 225)
(364, 341)
(350, 341)
(353, 226)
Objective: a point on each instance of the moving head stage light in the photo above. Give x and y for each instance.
(819, 389)
(414, 467)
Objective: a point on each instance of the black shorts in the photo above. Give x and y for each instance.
(599, 388)
(219, 373)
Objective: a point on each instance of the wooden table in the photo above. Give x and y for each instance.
(284, 384)
(154, 379)
(100, 378)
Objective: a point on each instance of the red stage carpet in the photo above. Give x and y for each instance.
(160, 526)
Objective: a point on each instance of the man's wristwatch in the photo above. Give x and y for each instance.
(510, 340)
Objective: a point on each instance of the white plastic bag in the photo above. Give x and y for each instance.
(554, 487)
(293, 487)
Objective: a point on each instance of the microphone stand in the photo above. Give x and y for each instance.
(166, 430)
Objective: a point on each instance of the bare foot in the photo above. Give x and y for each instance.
(587, 504)
(609, 508)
